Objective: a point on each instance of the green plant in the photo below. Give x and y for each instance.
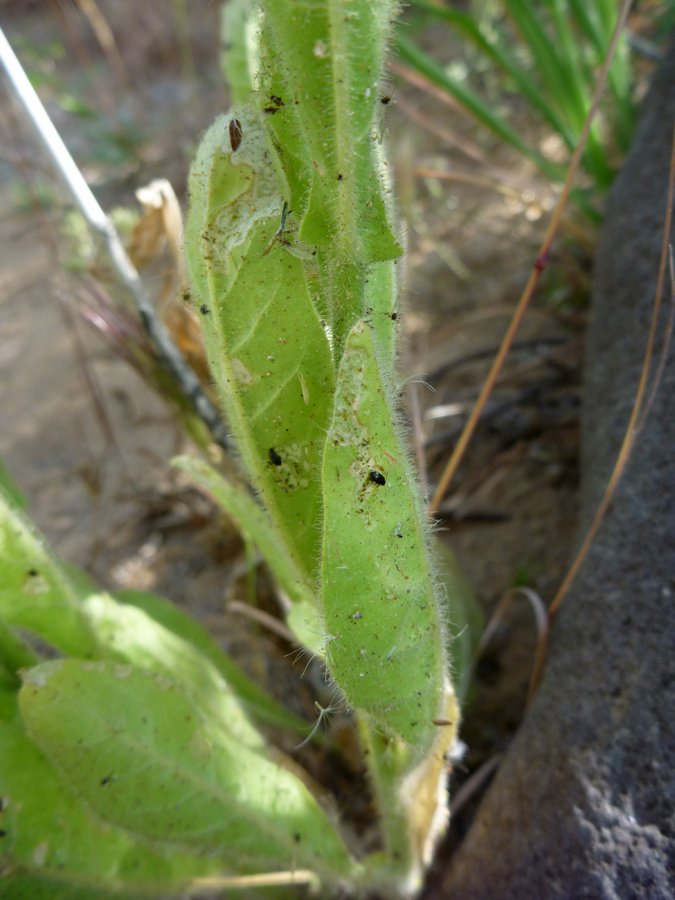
(551, 54)
(133, 764)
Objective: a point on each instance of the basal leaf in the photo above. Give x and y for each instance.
(53, 846)
(132, 636)
(145, 758)
(14, 653)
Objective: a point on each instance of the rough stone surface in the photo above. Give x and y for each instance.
(584, 804)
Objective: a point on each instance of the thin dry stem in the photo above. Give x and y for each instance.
(474, 783)
(470, 178)
(262, 618)
(105, 37)
(449, 137)
(538, 609)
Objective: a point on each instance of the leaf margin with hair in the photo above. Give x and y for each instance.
(36, 590)
(337, 82)
(250, 518)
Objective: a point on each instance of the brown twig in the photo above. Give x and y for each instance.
(474, 784)
(538, 609)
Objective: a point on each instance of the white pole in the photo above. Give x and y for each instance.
(101, 223)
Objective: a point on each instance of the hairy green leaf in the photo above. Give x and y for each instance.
(132, 636)
(335, 81)
(269, 352)
(53, 846)
(14, 653)
(145, 758)
(252, 520)
(384, 636)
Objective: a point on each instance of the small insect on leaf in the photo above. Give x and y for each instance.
(236, 134)
(278, 235)
(275, 459)
(275, 105)
(204, 309)
(377, 477)
(388, 95)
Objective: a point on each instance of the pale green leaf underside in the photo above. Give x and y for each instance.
(256, 702)
(130, 635)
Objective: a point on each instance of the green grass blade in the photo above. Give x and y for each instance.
(523, 80)
(547, 59)
(477, 107)
(562, 77)
(593, 21)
